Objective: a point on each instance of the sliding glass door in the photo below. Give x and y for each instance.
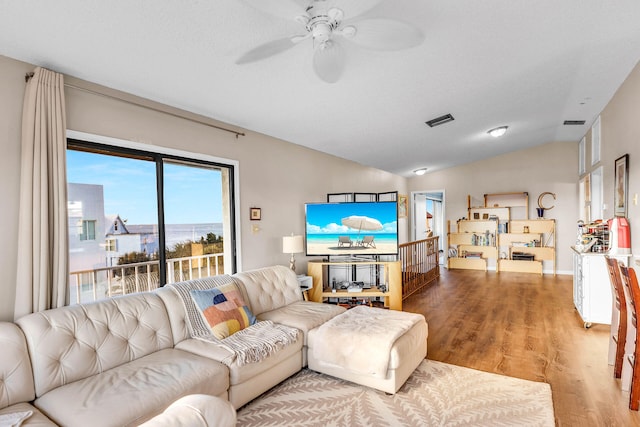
(139, 220)
(194, 220)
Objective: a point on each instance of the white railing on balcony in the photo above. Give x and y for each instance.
(105, 282)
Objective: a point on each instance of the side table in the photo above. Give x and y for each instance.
(306, 283)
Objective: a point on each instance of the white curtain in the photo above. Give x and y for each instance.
(42, 235)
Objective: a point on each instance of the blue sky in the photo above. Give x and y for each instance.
(327, 217)
(192, 194)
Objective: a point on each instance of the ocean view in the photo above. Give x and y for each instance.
(176, 233)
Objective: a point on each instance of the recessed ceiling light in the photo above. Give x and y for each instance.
(498, 132)
(421, 171)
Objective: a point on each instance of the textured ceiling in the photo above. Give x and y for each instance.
(526, 64)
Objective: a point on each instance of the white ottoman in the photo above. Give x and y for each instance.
(373, 347)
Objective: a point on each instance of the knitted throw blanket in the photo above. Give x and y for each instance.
(255, 343)
(249, 345)
(14, 419)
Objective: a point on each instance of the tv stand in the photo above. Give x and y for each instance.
(388, 287)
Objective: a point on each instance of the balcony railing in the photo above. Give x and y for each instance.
(419, 259)
(420, 264)
(105, 282)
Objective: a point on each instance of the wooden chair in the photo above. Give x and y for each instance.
(618, 335)
(631, 363)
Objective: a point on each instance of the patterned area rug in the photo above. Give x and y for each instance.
(436, 394)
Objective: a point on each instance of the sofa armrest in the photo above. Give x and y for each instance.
(196, 410)
(16, 376)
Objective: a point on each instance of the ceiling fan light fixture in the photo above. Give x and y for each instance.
(321, 33)
(420, 171)
(329, 61)
(323, 24)
(498, 132)
(349, 31)
(335, 15)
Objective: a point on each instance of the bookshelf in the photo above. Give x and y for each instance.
(475, 243)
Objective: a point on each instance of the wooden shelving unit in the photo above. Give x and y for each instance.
(522, 244)
(473, 236)
(390, 276)
(514, 201)
(483, 212)
(534, 237)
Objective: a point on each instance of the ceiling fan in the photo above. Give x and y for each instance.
(324, 23)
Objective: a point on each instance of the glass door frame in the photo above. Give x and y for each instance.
(233, 261)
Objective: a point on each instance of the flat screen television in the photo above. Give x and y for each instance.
(351, 228)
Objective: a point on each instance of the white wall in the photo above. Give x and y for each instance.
(280, 177)
(620, 134)
(277, 176)
(550, 167)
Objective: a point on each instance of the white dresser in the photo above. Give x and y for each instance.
(591, 287)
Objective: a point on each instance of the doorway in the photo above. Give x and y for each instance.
(428, 213)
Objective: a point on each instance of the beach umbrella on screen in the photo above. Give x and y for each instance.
(358, 222)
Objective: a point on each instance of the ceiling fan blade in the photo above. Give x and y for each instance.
(353, 8)
(266, 50)
(288, 9)
(329, 61)
(386, 34)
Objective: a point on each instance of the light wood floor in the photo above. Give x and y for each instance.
(525, 326)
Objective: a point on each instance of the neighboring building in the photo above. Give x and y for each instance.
(86, 226)
(86, 238)
(96, 242)
(122, 239)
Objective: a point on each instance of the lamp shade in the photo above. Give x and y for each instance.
(292, 244)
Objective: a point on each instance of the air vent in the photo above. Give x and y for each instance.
(440, 120)
(573, 122)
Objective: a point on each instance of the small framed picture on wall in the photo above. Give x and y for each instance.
(255, 214)
(621, 185)
(403, 202)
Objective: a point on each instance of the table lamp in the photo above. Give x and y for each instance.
(292, 245)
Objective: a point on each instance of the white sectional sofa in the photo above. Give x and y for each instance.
(272, 293)
(113, 362)
(126, 360)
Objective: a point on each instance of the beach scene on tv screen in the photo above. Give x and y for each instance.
(366, 228)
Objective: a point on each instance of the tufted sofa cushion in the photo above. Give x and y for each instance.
(303, 315)
(132, 393)
(177, 313)
(16, 379)
(270, 288)
(72, 343)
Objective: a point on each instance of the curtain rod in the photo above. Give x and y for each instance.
(28, 76)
